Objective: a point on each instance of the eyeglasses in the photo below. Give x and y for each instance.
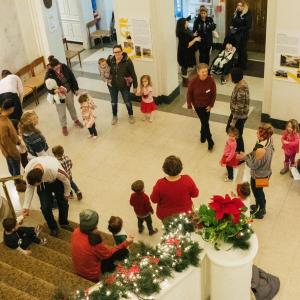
(116, 52)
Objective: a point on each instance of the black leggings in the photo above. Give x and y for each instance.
(92, 130)
(108, 265)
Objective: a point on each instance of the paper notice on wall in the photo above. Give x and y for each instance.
(135, 37)
(287, 57)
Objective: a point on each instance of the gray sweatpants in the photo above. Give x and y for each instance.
(61, 109)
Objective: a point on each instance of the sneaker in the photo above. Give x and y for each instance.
(79, 195)
(90, 136)
(114, 121)
(131, 119)
(78, 124)
(38, 229)
(43, 241)
(95, 137)
(210, 145)
(284, 170)
(226, 179)
(153, 232)
(65, 131)
(144, 118)
(223, 81)
(67, 227)
(54, 232)
(151, 119)
(202, 139)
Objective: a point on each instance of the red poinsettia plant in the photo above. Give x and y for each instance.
(224, 220)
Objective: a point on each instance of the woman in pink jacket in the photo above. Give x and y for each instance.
(290, 144)
(229, 155)
(87, 109)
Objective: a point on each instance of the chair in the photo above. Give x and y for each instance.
(71, 53)
(97, 34)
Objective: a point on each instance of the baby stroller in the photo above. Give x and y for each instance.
(224, 62)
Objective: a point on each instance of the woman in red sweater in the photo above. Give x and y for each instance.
(90, 256)
(202, 95)
(173, 193)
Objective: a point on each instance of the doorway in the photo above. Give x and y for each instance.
(257, 36)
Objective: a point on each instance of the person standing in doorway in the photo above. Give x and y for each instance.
(48, 175)
(123, 76)
(201, 96)
(11, 88)
(239, 31)
(186, 48)
(239, 106)
(64, 77)
(204, 26)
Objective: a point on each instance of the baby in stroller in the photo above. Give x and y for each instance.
(224, 62)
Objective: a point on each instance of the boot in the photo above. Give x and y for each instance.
(185, 81)
(284, 170)
(260, 214)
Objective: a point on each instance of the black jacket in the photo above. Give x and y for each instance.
(124, 68)
(69, 75)
(185, 55)
(242, 22)
(205, 29)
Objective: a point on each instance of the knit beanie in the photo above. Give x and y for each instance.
(88, 220)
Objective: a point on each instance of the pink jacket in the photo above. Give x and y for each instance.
(229, 150)
(87, 112)
(293, 146)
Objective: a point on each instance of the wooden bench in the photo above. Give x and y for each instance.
(97, 34)
(33, 76)
(71, 53)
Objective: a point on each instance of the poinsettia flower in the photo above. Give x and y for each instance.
(226, 206)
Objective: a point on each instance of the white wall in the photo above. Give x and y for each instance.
(281, 99)
(18, 45)
(163, 69)
(86, 15)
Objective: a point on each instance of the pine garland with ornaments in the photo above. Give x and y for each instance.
(147, 267)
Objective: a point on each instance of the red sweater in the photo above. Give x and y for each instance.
(87, 258)
(174, 197)
(201, 93)
(141, 204)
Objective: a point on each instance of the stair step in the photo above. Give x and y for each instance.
(57, 244)
(52, 257)
(25, 282)
(43, 270)
(8, 292)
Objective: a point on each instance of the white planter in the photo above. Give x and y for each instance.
(231, 271)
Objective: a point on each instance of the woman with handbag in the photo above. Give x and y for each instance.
(204, 27)
(122, 76)
(259, 161)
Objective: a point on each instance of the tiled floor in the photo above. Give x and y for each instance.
(105, 168)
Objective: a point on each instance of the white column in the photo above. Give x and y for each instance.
(163, 69)
(47, 29)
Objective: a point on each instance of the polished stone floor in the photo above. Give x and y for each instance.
(105, 168)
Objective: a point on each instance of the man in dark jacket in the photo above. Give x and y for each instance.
(64, 77)
(239, 31)
(123, 75)
(204, 26)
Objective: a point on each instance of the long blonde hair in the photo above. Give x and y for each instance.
(27, 123)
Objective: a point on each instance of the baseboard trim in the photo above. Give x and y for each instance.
(266, 118)
(162, 99)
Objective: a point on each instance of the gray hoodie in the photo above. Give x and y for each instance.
(261, 168)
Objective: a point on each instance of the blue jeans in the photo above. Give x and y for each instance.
(114, 91)
(14, 166)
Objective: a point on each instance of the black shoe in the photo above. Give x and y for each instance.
(67, 227)
(202, 139)
(253, 209)
(260, 214)
(141, 229)
(210, 145)
(153, 231)
(54, 232)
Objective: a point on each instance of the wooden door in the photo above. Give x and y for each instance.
(257, 38)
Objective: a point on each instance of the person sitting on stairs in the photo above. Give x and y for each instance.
(21, 237)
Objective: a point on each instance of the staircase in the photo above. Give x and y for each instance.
(40, 275)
